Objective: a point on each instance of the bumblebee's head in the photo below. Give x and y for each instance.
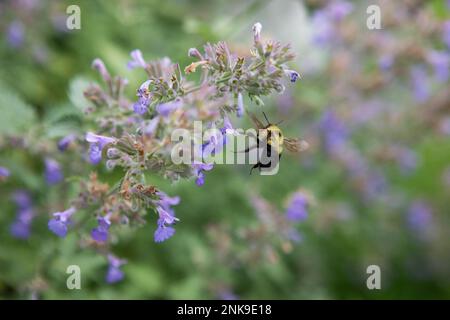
(275, 137)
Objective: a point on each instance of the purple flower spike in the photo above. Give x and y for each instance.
(61, 221)
(100, 234)
(53, 173)
(297, 209)
(97, 143)
(114, 273)
(137, 60)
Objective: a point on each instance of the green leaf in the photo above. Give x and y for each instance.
(76, 93)
(15, 115)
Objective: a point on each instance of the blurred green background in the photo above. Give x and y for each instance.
(210, 256)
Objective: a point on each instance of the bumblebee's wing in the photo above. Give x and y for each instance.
(295, 144)
(258, 124)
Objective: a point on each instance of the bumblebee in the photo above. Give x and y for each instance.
(272, 141)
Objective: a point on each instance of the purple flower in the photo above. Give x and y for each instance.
(64, 143)
(21, 226)
(97, 143)
(257, 27)
(151, 126)
(292, 75)
(440, 61)
(199, 169)
(163, 231)
(53, 173)
(137, 60)
(114, 273)
(240, 105)
(98, 65)
(4, 172)
(166, 202)
(61, 221)
(419, 216)
(419, 83)
(22, 199)
(15, 34)
(144, 98)
(297, 208)
(100, 234)
(193, 52)
(164, 109)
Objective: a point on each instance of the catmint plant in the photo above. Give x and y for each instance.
(134, 135)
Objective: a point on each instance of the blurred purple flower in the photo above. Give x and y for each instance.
(406, 159)
(151, 126)
(193, 52)
(97, 143)
(20, 228)
(440, 60)
(137, 60)
(114, 273)
(339, 9)
(164, 231)
(15, 34)
(144, 98)
(334, 131)
(98, 65)
(100, 234)
(167, 202)
(4, 172)
(164, 109)
(61, 221)
(419, 83)
(323, 28)
(419, 216)
(53, 173)
(199, 169)
(297, 209)
(64, 143)
(385, 62)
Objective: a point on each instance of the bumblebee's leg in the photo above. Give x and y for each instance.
(255, 166)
